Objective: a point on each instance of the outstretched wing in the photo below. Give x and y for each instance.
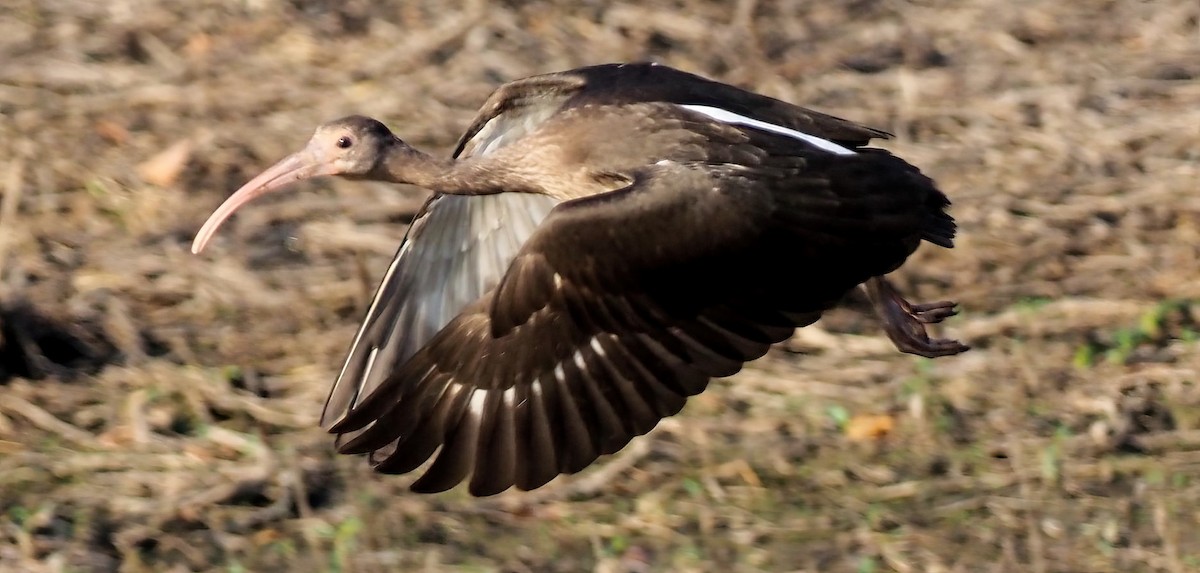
(456, 250)
(517, 108)
(648, 82)
(621, 305)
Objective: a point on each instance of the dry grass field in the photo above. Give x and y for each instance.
(158, 410)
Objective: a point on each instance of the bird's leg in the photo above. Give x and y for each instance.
(905, 322)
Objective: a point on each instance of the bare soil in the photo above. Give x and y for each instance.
(158, 410)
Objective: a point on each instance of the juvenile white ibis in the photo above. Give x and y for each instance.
(603, 242)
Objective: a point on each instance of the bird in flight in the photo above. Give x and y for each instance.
(602, 243)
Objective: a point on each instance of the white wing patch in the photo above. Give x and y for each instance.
(726, 116)
(478, 397)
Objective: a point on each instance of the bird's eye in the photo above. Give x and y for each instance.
(344, 142)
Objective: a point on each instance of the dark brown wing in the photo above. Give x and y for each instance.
(649, 82)
(519, 107)
(621, 305)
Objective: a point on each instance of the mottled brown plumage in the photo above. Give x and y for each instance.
(603, 242)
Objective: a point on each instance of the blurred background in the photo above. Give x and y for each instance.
(158, 410)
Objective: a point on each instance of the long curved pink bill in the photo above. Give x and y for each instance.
(292, 168)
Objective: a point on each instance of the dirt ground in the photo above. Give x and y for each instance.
(158, 410)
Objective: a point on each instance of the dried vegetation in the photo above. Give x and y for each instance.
(157, 410)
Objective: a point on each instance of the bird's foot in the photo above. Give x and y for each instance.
(904, 322)
(929, 312)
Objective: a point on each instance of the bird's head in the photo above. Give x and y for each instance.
(351, 147)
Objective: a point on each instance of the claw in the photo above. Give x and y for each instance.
(905, 322)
